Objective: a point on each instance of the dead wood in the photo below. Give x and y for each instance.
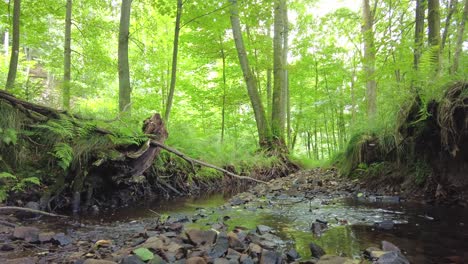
(29, 210)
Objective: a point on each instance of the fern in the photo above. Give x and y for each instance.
(64, 153)
(12, 184)
(61, 128)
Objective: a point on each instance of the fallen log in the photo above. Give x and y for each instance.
(191, 160)
(29, 210)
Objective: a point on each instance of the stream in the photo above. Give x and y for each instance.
(425, 234)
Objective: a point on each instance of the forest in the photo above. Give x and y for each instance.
(112, 104)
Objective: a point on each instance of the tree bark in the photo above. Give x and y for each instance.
(12, 70)
(451, 9)
(67, 57)
(418, 32)
(264, 132)
(278, 106)
(460, 33)
(433, 18)
(223, 110)
(125, 89)
(369, 60)
(175, 51)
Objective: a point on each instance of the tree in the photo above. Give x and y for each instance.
(10, 84)
(460, 33)
(175, 50)
(433, 20)
(67, 57)
(418, 32)
(369, 59)
(278, 116)
(124, 70)
(263, 129)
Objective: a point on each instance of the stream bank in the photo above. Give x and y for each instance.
(277, 221)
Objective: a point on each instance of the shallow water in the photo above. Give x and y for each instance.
(426, 234)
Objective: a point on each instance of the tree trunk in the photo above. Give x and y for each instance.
(125, 89)
(451, 9)
(278, 107)
(460, 33)
(10, 83)
(67, 57)
(223, 110)
(175, 51)
(264, 133)
(287, 103)
(433, 18)
(369, 60)
(418, 32)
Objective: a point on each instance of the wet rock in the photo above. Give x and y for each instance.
(221, 261)
(6, 247)
(270, 257)
(98, 261)
(132, 260)
(46, 236)
(221, 246)
(316, 251)
(62, 239)
(170, 234)
(196, 260)
(233, 255)
(255, 249)
(292, 255)
(199, 237)
(27, 233)
(386, 225)
(263, 229)
(247, 260)
(174, 226)
(392, 258)
(388, 246)
(329, 259)
(234, 242)
(157, 260)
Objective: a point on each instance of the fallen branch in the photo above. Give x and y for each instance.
(29, 210)
(190, 160)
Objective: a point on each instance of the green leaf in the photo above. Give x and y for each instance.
(144, 254)
(33, 180)
(6, 175)
(359, 195)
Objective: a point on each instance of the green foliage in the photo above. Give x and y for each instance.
(8, 136)
(64, 153)
(143, 253)
(421, 171)
(10, 182)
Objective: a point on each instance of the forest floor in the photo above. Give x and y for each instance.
(251, 227)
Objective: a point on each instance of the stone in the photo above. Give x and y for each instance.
(393, 257)
(196, 260)
(237, 201)
(27, 233)
(132, 260)
(220, 247)
(98, 261)
(377, 254)
(270, 257)
(263, 229)
(292, 255)
(247, 260)
(199, 237)
(315, 250)
(221, 261)
(25, 260)
(234, 242)
(46, 236)
(255, 249)
(329, 259)
(62, 239)
(157, 260)
(386, 225)
(388, 246)
(6, 247)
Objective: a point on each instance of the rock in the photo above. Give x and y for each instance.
(221, 246)
(292, 255)
(386, 224)
(254, 248)
(247, 260)
(263, 229)
(98, 261)
(27, 233)
(6, 247)
(387, 246)
(46, 236)
(329, 259)
(199, 237)
(103, 243)
(62, 239)
(316, 251)
(196, 260)
(377, 254)
(392, 258)
(234, 242)
(233, 255)
(221, 261)
(270, 257)
(26, 260)
(237, 201)
(131, 260)
(157, 260)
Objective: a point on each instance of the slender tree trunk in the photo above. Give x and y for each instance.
(264, 132)
(286, 74)
(124, 70)
(223, 110)
(316, 145)
(451, 9)
(369, 60)
(10, 83)
(353, 94)
(460, 33)
(6, 43)
(433, 18)
(418, 32)
(175, 51)
(278, 116)
(67, 57)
